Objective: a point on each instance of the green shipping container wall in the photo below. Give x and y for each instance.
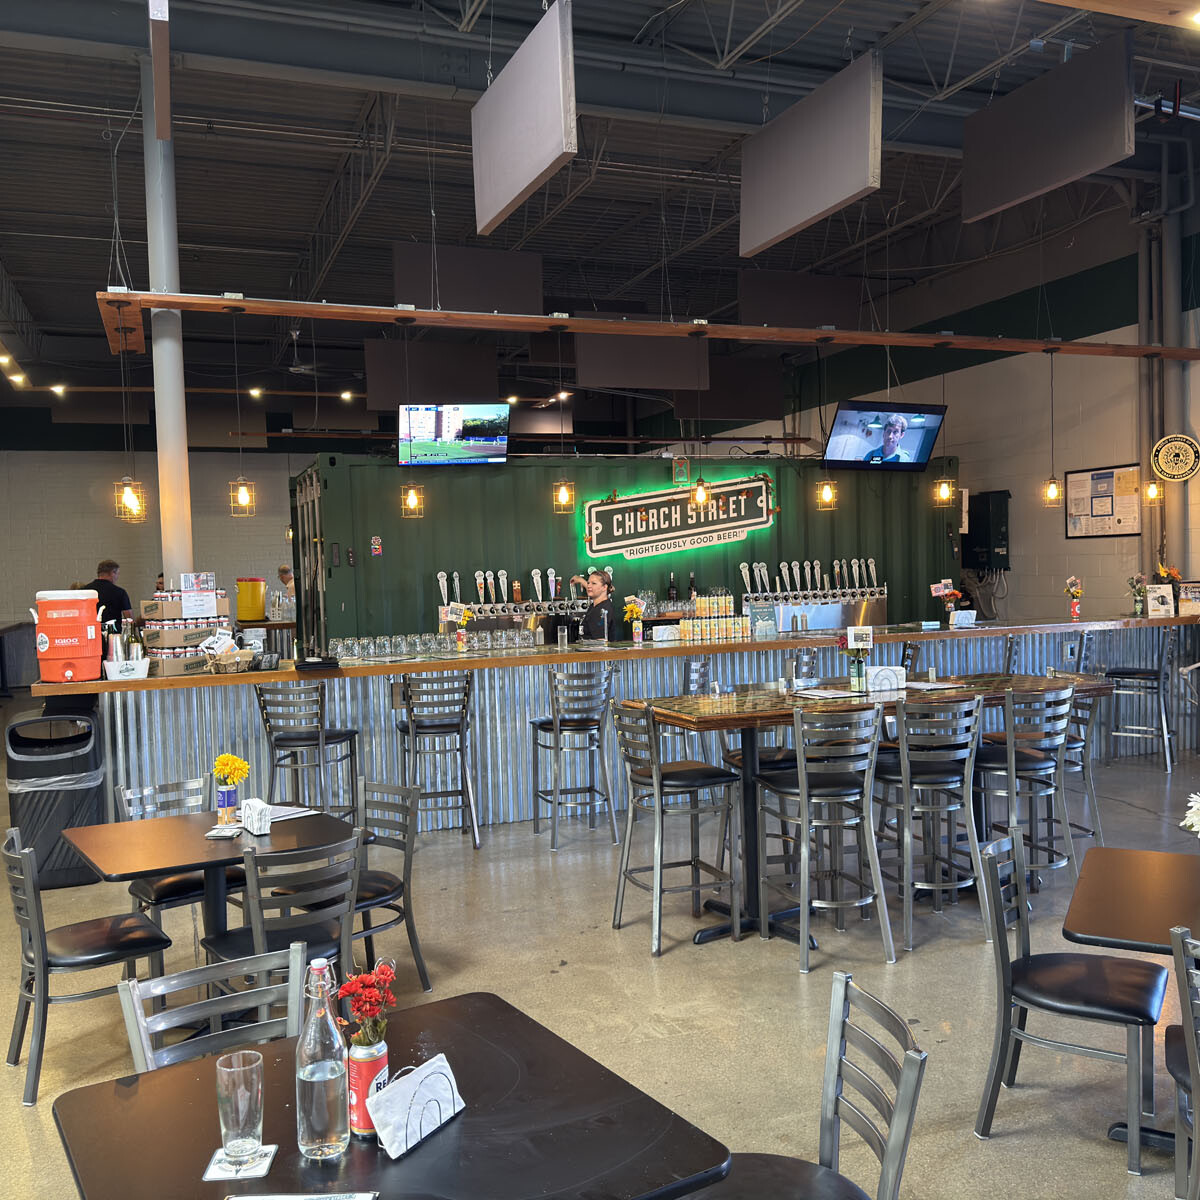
(484, 517)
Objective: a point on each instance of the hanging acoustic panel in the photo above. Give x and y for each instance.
(523, 126)
(821, 154)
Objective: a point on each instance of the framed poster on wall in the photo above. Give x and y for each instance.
(1104, 502)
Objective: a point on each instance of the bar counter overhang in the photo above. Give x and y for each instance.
(157, 730)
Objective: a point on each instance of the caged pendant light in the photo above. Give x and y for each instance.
(243, 497)
(129, 495)
(1152, 493)
(1052, 488)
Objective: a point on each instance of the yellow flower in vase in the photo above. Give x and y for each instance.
(231, 770)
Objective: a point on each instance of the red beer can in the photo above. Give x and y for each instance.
(368, 1070)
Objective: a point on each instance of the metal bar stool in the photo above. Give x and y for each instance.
(1029, 762)
(579, 703)
(293, 716)
(828, 796)
(435, 723)
(931, 775)
(1148, 685)
(673, 789)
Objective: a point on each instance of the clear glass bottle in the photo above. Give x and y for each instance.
(322, 1095)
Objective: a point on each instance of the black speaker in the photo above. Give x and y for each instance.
(985, 544)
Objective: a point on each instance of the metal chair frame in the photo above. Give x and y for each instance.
(638, 741)
(390, 814)
(909, 657)
(1186, 952)
(298, 709)
(1004, 872)
(826, 743)
(1038, 723)
(1154, 690)
(943, 737)
(20, 867)
(436, 701)
(873, 1074)
(578, 722)
(146, 1029)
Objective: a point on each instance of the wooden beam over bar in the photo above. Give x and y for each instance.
(521, 323)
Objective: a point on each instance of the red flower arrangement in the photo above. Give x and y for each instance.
(369, 995)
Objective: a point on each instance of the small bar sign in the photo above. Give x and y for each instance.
(650, 523)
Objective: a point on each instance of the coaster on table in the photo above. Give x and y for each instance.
(219, 1167)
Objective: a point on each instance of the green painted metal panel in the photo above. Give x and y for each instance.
(485, 517)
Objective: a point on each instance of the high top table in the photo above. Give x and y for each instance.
(749, 709)
(542, 1119)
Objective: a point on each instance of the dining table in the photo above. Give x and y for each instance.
(542, 1118)
(751, 708)
(127, 850)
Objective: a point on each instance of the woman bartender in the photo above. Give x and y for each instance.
(601, 619)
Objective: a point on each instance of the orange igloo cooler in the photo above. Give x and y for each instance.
(68, 636)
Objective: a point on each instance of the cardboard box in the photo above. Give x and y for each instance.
(176, 639)
(164, 668)
(172, 610)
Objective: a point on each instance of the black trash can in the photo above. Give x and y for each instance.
(55, 781)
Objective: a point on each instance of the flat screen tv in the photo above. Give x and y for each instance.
(891, 437)
(431, 435)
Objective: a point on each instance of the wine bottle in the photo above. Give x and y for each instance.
(672, 590)
(692, 585)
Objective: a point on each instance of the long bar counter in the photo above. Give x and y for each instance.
(159, 730)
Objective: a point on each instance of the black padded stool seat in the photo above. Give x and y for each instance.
(103, 940)
(546, 724)
(823, 785)
(1101, 987)
(376, 888)
(433, 726)
(1131, 673)
(1177, 1060)
(777, 1177)
(994, 757)
(181, 886)
(887, 770)
(333, 737)
(322, 940)
(687, 776)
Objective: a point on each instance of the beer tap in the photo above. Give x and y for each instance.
(854, 568)
(808, 587)
(796, 573)
(874, 581)
(744, 567)
(845, 575)
(457, 592)
(503, 577)
(837, 575)
(552, 583)
(817, 573)
(536, 575)
(441, 578)
(491, 586)
(787, 579)
(479, 585)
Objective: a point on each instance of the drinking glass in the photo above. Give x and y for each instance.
(428, 643)
(335, 648)
(240, 1104)
(366, 647)
(398, 645)
(485, 639)
(445, 643)
(352, 648)
(525, 637)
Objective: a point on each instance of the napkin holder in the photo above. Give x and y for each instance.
(417, 1101)
(886, 679)
(256, 816)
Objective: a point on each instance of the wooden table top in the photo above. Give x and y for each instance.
(761, 706)
(541, 1119)
(1132, 899)
(134, 849)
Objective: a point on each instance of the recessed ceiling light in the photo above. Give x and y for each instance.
(256, 393)
(512, 399)
(17, 379)
(59, 389)
(564, 395)
(5, 359)
(347, 395)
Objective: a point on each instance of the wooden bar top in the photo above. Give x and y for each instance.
(617, 651)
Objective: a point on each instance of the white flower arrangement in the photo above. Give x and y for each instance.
(1191, 818)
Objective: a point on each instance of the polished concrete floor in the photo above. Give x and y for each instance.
(730, 1035)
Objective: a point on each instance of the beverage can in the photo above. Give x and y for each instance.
(368, 1074)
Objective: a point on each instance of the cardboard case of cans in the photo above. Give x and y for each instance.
(714, 622)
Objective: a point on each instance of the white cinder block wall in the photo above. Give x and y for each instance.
(57, 522)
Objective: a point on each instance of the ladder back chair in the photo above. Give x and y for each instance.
(1183, 1060)
(1146, 686)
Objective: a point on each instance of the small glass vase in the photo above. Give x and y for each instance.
(368, 1073)
(227, 804)
(1139, 606)
(1074, 610)
(858, 675)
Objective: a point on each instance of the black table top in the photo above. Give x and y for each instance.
(542, 1120)
(1132, 899)
(132, 849)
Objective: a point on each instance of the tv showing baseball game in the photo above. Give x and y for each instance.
(891, 436)
(430, 435)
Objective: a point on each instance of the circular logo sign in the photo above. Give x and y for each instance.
(43, 643)
(1176, 457)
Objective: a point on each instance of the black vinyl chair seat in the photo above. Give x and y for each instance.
(104, 940)
(1175, 1045)
(777, 1177)
(993, 757)
(432, 726)
(322, 940)
(822, 785)
(546, 724)
(687, 776)
(1148, 673)
(1101, 987)
(309, 737)
(181, 887)
(376, 888)
(887, 770)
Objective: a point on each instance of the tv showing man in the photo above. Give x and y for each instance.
(894, 428)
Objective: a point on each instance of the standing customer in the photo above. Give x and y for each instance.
(287, 579)
(114, 604)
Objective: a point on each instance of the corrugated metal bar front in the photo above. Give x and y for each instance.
(174, 734)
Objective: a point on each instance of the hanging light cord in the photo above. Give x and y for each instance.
(237, 393)
(1053, 474)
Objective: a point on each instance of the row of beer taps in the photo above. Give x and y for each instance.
(491, 590)
(854, 580)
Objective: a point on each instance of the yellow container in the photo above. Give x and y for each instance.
(251, 599)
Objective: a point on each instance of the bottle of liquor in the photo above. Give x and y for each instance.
(672, 590)
(692, 586)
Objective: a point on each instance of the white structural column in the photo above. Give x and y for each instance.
(166, 328)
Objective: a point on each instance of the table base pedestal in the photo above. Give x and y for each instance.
(775, 924)
(1157, 1139)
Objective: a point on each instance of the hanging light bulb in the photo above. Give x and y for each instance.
(1152, 494)
(412, 501)
(1052, 493)
(826, 495)
(700, 491)
(242, 497)
(943, 492)
(564, 497)
(288, 534)
(130, 498)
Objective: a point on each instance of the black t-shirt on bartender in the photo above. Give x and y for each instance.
(595, 624)
(113, 600)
